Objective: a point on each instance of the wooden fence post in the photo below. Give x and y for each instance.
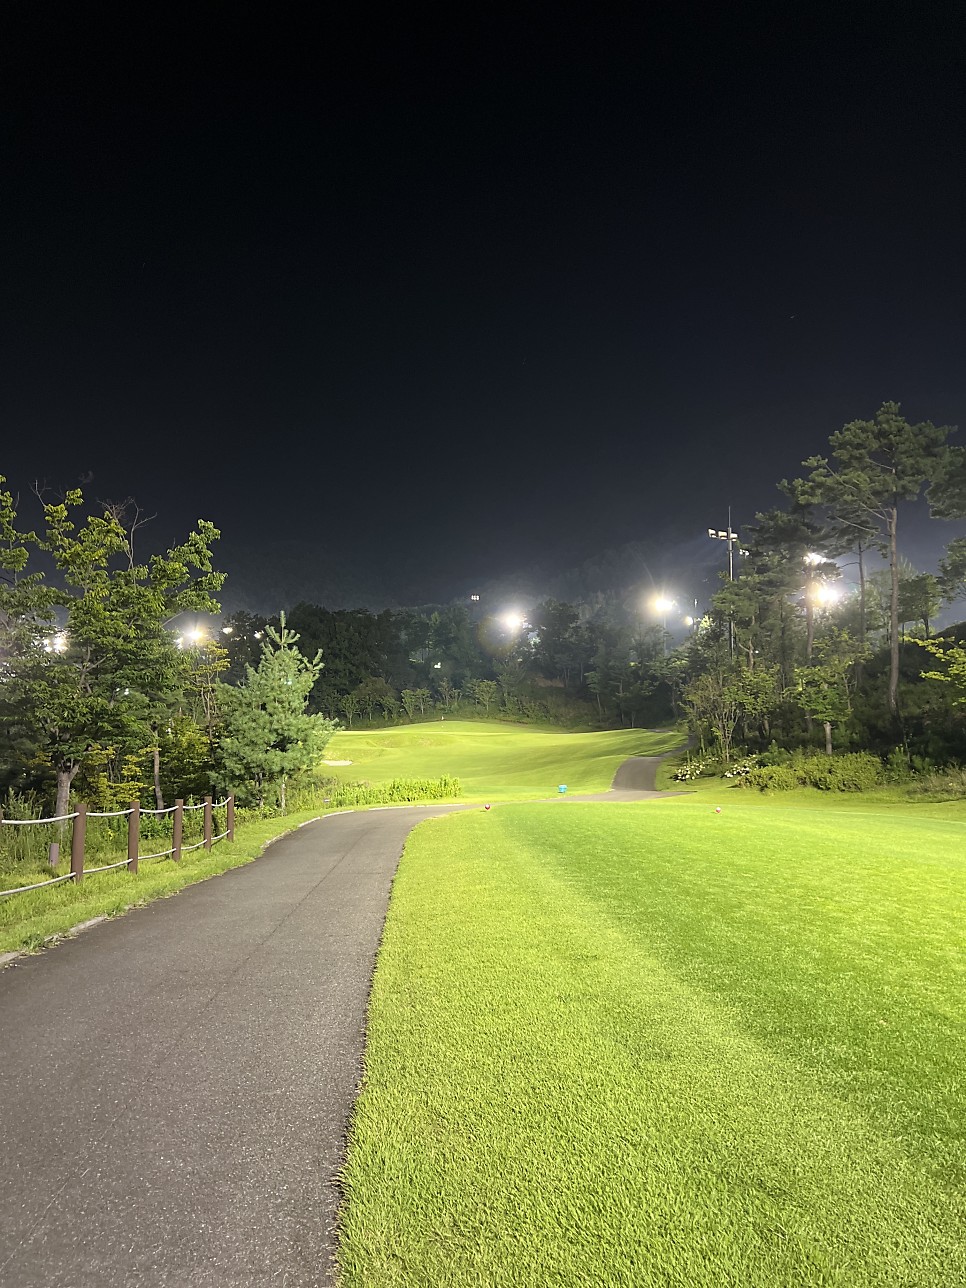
(133, 836)
(177, 829)
(230, 812)
(77, 837)
(208, 828)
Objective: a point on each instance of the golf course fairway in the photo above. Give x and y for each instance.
(655, 1046)
(492, 760)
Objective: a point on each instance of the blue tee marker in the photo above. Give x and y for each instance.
(562, 788)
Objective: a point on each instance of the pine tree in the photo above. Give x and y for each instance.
(268, 739)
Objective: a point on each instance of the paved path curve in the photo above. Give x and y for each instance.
(175, 1085)
(635, 780)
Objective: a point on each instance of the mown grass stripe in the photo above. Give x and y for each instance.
(625, 1045)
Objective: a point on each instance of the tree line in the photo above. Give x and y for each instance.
(101, 694)
(782, 653)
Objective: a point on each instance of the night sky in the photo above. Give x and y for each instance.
(423, 298)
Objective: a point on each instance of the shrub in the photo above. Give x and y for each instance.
(949, 784)
(770, 778)
(813, 770)
(397, 791)
(855, 772)
(741, 768)
(693, 768)
(774, 755)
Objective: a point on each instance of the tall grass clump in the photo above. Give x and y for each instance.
(397, 791)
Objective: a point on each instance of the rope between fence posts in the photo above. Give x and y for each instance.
(37, 886)
(116, 813)
(187, 807)
(89, 872)
(220, 837)
(161, 854)
(170, 810)
(22, 822)
(196, 846)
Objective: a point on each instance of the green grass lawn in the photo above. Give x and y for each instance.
(494, 761)
(651, 1045)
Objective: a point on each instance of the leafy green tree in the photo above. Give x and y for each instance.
(919, 599)
(874, 466)
(409, 703)
(759, 693)
(714, 700)
(453, 639)
(511, 678)
(485, 691)
(268, 738)
(241, 637)
(89, 664)
(823, 694)
(349, 706)
(785, 563)
(185, 765)
(557, 651)
(375, 692)
(824, 689)
(423, 696)
(202, 665)
(952, 571)
(953, 671)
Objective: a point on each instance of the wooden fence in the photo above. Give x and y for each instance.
(133, 814)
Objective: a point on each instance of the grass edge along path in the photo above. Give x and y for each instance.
(62, 908)
(539, 759)
(551, 1098)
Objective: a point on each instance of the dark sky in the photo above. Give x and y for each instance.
(444, 293)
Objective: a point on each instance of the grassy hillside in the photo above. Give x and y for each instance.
(496, 761)
(655, 1045)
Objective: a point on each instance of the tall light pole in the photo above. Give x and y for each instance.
(663, 605)
(729, 535)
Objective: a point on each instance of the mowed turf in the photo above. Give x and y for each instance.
(652, 1045)
(497, 761)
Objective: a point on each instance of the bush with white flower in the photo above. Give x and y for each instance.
(742, 768)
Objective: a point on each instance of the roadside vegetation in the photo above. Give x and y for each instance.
(659, 1045)
(29, 921)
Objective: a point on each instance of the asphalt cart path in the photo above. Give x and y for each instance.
(635, 780)
(175, 1085)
